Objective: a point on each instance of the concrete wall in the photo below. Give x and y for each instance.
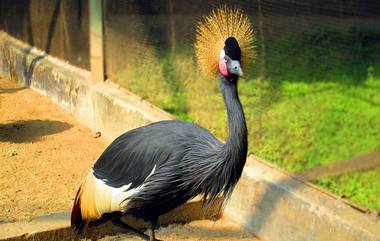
(267, 201)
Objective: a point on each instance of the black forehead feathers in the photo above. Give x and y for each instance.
(232, 49)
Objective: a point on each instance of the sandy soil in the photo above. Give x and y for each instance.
(44, 154)
(204, 230)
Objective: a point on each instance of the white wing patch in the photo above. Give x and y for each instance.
(97, 198)
(151, 173)
(118, 195)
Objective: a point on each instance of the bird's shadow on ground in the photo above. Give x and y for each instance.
(170, 232)
(22, 131)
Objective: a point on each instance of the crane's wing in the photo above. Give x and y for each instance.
(133, 156)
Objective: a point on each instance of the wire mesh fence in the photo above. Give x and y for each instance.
(169, 26)
(59, 27)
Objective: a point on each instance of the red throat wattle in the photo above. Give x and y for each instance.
(223, 67)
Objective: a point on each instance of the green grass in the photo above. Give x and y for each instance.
(320, 123)
(319, 102)
(363, 187)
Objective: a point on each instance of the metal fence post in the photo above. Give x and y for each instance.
(96, 41)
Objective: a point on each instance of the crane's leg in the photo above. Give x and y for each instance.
(83, 226)
(152, 235)
(123, 225)
(152, 224)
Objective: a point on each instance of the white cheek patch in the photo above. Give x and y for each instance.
(222, 54)
(222, 64)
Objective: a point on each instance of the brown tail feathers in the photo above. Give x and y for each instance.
(77, 223)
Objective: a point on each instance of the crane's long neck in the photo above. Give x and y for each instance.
(235, 148)
(224, 171)
(237, 129)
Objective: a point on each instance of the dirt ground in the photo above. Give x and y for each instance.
(44, 154)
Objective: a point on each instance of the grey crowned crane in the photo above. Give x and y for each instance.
(150, 170)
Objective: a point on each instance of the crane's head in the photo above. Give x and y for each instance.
(230, 57)
(225, 42)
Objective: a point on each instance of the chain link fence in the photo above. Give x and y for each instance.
(58, 27)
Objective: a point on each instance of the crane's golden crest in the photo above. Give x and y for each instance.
(214, 29)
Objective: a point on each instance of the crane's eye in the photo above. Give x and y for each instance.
(225, 60)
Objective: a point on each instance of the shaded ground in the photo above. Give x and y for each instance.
(205, 230)
(44, 154)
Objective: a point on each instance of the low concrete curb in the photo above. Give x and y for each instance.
(267, 201)
(25, 229)
(57, 226)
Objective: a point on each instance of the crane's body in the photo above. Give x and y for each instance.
(150, 170)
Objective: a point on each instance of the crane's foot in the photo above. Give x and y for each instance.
(152, 224)
(153, 236)
(123, 225)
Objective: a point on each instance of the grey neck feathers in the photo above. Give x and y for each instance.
(225, 170)
(234, 151)
(237, 129)
(236, 144)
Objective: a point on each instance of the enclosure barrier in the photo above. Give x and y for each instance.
(267, 201)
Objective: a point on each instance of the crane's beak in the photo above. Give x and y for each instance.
(240, 72)
(236, 68)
